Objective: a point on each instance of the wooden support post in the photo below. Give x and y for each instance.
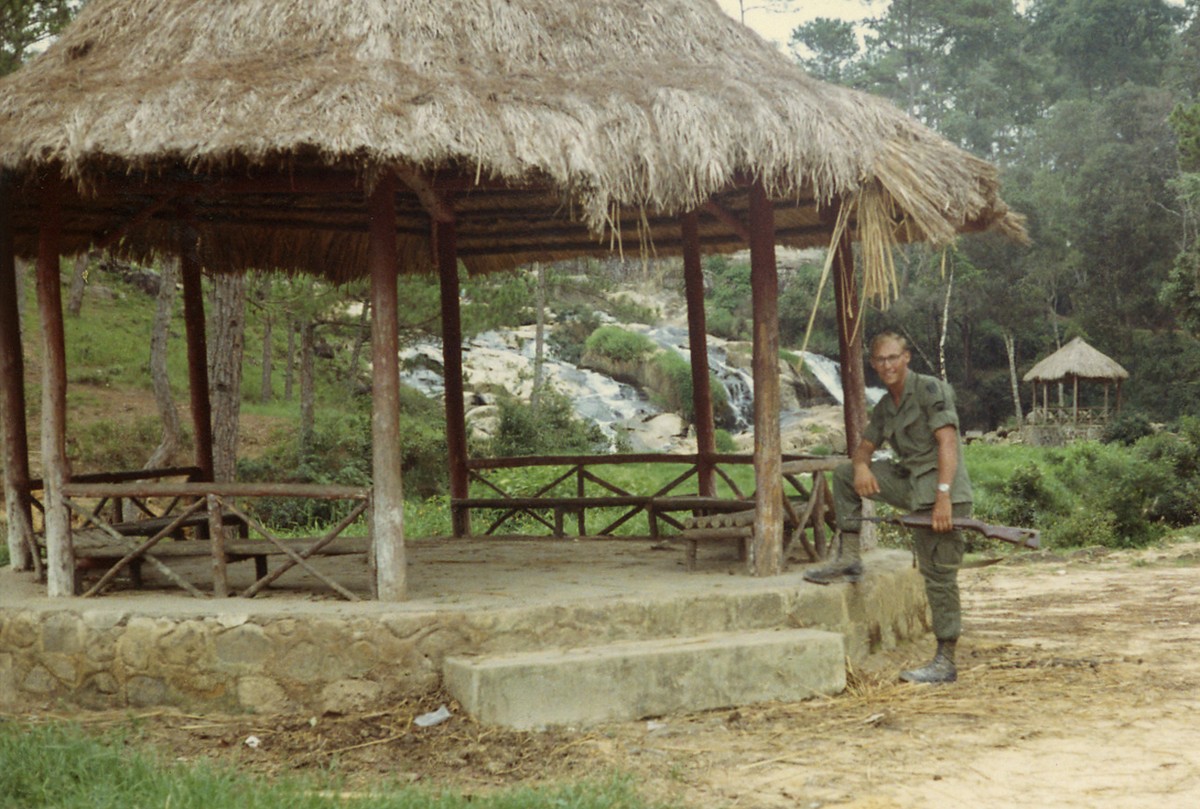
(766, 553)
(693, 277)
(21, 553)
(850, 328)
(391, 572)
(446, 255)
(60, 554)
(197, 343)
(216, 532)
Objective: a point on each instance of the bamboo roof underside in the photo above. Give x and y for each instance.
(543, 129)
(1077, 360)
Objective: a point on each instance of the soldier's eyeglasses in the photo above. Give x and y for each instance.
(890, 359)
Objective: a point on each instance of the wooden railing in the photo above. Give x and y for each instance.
(115, 506)
(193, 519)
(579, 487)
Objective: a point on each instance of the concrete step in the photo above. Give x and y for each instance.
(631, 680)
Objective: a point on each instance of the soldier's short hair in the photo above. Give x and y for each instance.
(889, 335)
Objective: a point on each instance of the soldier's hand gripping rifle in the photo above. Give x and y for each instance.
(1021, 537)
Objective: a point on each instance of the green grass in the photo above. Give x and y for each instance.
(60, 766)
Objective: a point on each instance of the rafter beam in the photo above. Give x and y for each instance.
(435, 204)
(727, 217)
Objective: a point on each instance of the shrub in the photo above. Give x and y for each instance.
(728, 325)
(1127, 428)
(1025, 498)
(619, 345)
(576, 322)
(552, 429)
(724, 441)
(340, 453)
(1081, 527)
(671, 386)
(1107, 478)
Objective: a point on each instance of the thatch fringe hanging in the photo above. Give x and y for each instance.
(839, 229)
(878, 220)
(593, 115)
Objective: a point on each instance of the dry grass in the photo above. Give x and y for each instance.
(615, 114)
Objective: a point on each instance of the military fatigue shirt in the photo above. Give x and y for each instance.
(926, 405)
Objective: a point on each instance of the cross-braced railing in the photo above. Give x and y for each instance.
(212, 511)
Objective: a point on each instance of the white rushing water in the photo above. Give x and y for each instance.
(505, 359)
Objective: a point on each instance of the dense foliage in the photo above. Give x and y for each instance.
(1073, 99)
(1121, 494)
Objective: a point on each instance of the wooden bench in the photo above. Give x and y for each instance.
(734, 525)
(724, 520)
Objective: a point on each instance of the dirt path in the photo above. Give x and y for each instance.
(1078, 688)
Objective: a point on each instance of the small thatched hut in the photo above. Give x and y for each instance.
(1074, 362)
(353, 138)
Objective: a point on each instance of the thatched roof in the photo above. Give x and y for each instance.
(549, 129)
(1078, 360)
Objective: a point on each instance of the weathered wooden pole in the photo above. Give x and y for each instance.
(766, 554)
(693, 279)
(197, 342)
(12, 397)
(850, 343)
(445, 241)
(60, 554)
(391, 564)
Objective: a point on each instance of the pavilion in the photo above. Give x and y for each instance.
(368, 138)
(1076, 361)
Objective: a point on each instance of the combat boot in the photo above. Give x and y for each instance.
(847, 566)
(939, 670)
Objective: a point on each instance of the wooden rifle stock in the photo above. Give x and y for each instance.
(1021, 537)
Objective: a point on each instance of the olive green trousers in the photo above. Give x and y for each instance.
(939, 555)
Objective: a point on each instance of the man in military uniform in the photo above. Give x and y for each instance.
(918, 421)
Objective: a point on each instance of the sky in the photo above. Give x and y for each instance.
(777, 27)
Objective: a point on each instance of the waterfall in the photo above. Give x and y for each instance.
(504, 359)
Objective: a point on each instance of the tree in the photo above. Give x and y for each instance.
(168, 413)
(826, 48)
(1098, 45)
(957, 65)
(1121, 193)
(25, 24)
(226, 329)
(1181, 292)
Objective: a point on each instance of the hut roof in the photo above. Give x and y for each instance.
(545, 129)
(1076, 359)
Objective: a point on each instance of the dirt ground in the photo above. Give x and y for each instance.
(1077, 688)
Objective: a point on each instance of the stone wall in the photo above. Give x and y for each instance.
(318, 658)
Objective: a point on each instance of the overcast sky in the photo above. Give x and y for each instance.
(778, 27)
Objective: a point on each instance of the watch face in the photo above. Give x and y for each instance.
(943, 487)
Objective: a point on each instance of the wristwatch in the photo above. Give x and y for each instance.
(944, 487)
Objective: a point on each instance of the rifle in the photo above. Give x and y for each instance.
(1021, 537)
